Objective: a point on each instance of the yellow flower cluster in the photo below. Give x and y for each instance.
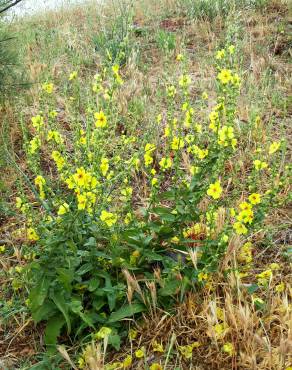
(40, 182)
(215, 190)
(148, 158)
(108, 218)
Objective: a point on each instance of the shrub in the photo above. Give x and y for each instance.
(117, 225)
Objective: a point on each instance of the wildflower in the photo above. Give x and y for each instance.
(239, 228)
(245, 206)
(154, 181)
(184, 81)
(215, 190)
(177, 143)
(48, 87)
(80, 176)
(187, 351)
(246, 216)
(231, 49)
(274, 147)
(148, 159)
(202, 276)
(104, 166)
(64, 208)
(220, 329)
(171, 91)
(235, 80)
(73, 75)
(32, 234)
(280, 287)
(59, 160)
(179, 57)
(228, 348)
(37, 121)
(264, 277)
(245, 254)
(109, 218)
(101, 120)
(56, 136)
(232, 212)
(205, 96)
(165, 163)
(274, 266)
(53, 114)
(255, 198)
(157, 347)
(2, 248)
(140, 353)
(81, 199)
(155, 366)
(224, 76)
(259, 165)
(127, 362)
(220, 54)
(133, 334)
(103, 332)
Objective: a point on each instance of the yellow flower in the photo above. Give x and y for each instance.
(140, 353)
(101, 120)
(264, 277)
(245, 206)
(127, 362)
(104, 166)
(37, 121)
(239, 228)
(231, 49)
(53, 114)
(215, 190)
(274, 147)
(56, 136)
(259, 165)
(48, 87)
(179, 57)
(228, 348)
(155, 366)
(39, 181)
(220, 329)
(81, 199)
(225, 76)
(154, 181)
(32, 234)
(232, 212)
(255, 198)
(59, 160)
(109, 218)
(80, 176)
(184, 81)
(220, 54)
(202, 276)
(165, 163)
(103, 332)
(177, 143)
(157, 347)
(246, 216)
(187, 351)
(280, 287)
(205, 95)
(171, 91)
(2, 248)
(133, 334)
(274, 266)
(245, 254)
(73, 75)
(64, 208)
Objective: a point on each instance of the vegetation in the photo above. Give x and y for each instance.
(145, 208)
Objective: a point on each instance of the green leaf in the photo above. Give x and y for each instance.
(59, 300)
(115, 341)
(44, 312)
(170, 288)
(84, 269)
(53, 330)
(91, 242)
(66, 277)
(39, 293)
(126, 311)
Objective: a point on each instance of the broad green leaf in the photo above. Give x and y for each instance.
(39, 293)
(53, 329)
(126, 311)
(170, 288)
(59, 300)
(44, 312)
